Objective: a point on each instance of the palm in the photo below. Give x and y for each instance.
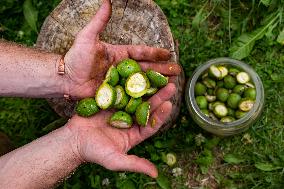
(89, 58)
(98, 142)
(87, 66)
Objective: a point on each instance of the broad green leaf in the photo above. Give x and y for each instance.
(280, 38)
(266, 2)
(266, 166)
(30, 14)
(163, 181)
(245, 43)
(233, 159)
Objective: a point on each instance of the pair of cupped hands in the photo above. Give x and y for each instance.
(86, 64)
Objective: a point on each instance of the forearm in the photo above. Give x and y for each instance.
(41, 163)
(26, 72)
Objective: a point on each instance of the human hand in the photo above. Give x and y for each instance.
(94, 140)
(88, 60)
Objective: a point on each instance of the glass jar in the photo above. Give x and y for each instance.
(217, 127)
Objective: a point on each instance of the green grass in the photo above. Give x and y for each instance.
(253, 159)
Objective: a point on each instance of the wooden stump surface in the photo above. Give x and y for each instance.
(132, 22)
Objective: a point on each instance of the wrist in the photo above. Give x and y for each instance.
(72, 143)
(64, 81)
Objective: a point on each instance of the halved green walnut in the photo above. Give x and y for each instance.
(121, 120)
(246, 104)
(142, 113)
(220, 110)
(133, 104)
(213, 104)
(227, 119)
(210, 98)
(240, 114)
(214, 72)
(127, 67)
(171, 159)
(105, 96)
(121, 98)
(157, 79)
(151, 91)
(87, 107)
(209, 83)
(137, 85)
(224, 71)
(112, 76)
(243, 77)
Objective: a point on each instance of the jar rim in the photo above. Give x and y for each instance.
(225, 61)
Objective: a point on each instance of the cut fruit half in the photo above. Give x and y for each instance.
(142, 113)
(246, 104)
(151, 91)
(214, 72)
(243, 77)
(121, 120)
(112, 76)
(157, 79)
(105, 96)
(133, 104)
(224, 71)
(137, 85)
(121, 98)
(220, 110)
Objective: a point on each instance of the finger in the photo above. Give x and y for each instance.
(146, 53)
(133, 163)
(173, 79)
(158, 118)
(98, 22)
(163, 95)
(163, 68)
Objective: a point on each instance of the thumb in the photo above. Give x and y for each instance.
(134, 164)
(98, 22)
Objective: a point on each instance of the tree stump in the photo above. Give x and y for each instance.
(132, 22)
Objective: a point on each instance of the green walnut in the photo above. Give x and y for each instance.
(121, 98)
(112, 76)
(87, 107)
(142, 113)
(157, 79)
(121, 120)
(105, 96)
(137, 85)
(127, 67)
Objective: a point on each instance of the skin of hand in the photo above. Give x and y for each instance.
(95, 141)
(88, 60)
